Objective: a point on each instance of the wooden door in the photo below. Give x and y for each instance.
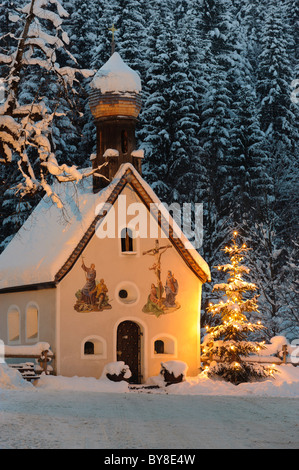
(128, 348)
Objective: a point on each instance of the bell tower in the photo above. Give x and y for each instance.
(115, 102)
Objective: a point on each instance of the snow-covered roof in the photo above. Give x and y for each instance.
(48, 236)
(50, 241)
(116, 76)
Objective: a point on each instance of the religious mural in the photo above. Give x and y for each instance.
(93, 297)
(161, 298)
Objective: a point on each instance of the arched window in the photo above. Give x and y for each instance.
(159, 346)
(124, 141)
(165, 344)
(32, 323)
(94, 347)
(13, 324)
(88, 347)
(127, 244)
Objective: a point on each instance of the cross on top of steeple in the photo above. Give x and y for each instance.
(113, 30)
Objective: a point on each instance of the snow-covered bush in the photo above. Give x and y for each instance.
(173, 371)
(116, 371)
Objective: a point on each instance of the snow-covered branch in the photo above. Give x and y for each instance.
(64, 173)
(26, 129)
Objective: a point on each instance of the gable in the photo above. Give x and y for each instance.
(190, 256)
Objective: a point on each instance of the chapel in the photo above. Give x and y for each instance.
(113, 278)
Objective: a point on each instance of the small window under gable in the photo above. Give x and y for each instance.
(127, 241)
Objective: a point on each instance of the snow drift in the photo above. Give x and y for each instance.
(12, 379)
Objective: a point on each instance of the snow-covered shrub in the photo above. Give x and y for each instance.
(117, 371)
(173, 372)
(240, 372)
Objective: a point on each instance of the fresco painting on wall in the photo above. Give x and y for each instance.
(161, 299)
(93, 297)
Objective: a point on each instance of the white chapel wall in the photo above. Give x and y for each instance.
(37, 317)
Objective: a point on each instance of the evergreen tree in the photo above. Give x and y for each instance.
(250, 179)
(83, 29)
(217, 115)
(274, 273)
(278, 113)
(14, 209)
(132, 33)
(88, 39)
(275, 76)
(230, 340)
(105, 17)
(169, 120)
(182, 122)
(153, 134)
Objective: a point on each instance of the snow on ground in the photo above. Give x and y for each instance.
(78, 412)
(12, 379)
(284, 384)
(51, 419)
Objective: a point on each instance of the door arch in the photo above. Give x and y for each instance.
(128, 348)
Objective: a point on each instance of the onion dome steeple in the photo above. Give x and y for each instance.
(115, 103)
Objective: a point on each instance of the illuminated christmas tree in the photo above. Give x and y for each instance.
(228, 342)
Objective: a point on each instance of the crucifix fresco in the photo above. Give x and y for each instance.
(161, 299)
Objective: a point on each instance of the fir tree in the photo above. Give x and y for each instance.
(275, 76)
(277, 112)
(217, 111)
(251, 181)
(83, 30)
(274, 273)
(132, 33)
(153, 133)
(182, 121)
(230, 340)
